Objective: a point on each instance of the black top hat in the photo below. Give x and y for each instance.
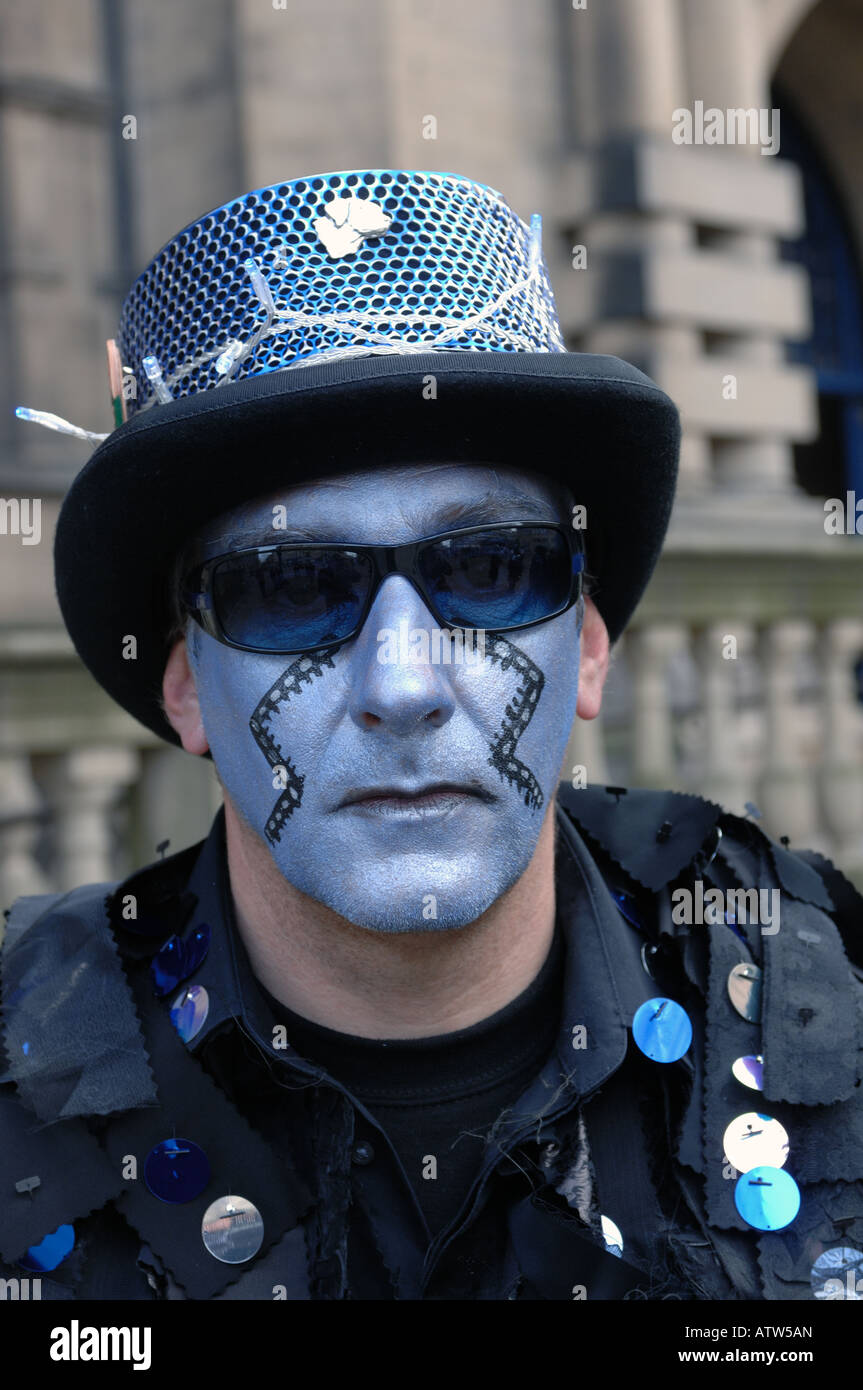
(348, 320)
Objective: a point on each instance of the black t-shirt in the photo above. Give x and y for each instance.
(438, 1098)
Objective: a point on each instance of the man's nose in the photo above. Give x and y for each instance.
(389, 690)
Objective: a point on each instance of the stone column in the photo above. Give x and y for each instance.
(650, 650)
(724, 781)
(840, 774)
(83, 788)
(787, 790)
(628, 78)
(726, 65)
(21, 812)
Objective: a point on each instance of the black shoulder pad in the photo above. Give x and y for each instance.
(71, 1033)
(651, 835)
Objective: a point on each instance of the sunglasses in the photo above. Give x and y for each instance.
(298, 597)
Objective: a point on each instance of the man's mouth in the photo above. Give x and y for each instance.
(430, 799)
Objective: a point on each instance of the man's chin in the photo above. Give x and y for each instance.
(394, 918)
(409, 896)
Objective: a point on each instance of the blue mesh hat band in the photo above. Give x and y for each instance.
(338, 265)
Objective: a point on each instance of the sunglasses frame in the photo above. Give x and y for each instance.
(196, 593)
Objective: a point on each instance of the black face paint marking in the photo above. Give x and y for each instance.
(300, 672)
(519, 713)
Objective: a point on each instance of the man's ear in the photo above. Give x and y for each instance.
(593, 665)
(180, 700)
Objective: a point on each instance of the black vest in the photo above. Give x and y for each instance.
(94, 1071)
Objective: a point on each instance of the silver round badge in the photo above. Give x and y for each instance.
(744, 990)
(232, 1230)
(755, 1141)
(749, 1071)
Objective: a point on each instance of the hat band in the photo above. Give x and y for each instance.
(276, 321)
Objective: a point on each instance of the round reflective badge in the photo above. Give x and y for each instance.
(232, 1230)
(753, 1140)
(744, 990)
(176, 1171)
(189, 1011)
(838, 1273)
(662, 1030)
(749, 1071)
(767, 1198)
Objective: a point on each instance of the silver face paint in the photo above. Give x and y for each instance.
(405, 796)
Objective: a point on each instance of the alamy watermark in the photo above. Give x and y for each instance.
(738, 125)
(759, 906)
(844, 516)
(21, 516)
(437, 646)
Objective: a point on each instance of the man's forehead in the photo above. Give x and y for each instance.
(413, 499)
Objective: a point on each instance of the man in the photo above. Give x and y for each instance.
(410, 1024)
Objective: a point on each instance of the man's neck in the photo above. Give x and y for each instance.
(388, 985)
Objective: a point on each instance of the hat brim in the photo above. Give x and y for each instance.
(595, 423)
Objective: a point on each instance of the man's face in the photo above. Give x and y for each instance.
(412, 792)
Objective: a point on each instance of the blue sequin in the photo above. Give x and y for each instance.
(189, 1011)
(767, 1198)
(176, 1171)
(178, 959)
(628, 908)
(662, 1030)
(50, 1252)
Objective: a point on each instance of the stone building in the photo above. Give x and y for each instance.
(727, 269)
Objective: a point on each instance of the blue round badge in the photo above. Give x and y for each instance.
(767, 1198)
(176, 1171)
(50, 1252)
(662, 1030)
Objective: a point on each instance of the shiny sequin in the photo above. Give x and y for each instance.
(189, 1011)
(749, 1071)
(612, 1237)
(51, 1251)
(176, 1171)
(754, 1140)
(744, 990)
(662, 1030)
(178, 959)
(838, 1274)
(767, 1198)
(232, 1230)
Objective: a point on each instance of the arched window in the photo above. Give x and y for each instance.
(834, 461)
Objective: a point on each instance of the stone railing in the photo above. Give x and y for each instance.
(737, 681)
(86, 794)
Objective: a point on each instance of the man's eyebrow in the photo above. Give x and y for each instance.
(495, 506)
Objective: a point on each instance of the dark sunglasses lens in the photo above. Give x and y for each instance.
(500, 578)
(287, 600)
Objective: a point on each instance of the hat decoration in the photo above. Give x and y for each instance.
(347, 264)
